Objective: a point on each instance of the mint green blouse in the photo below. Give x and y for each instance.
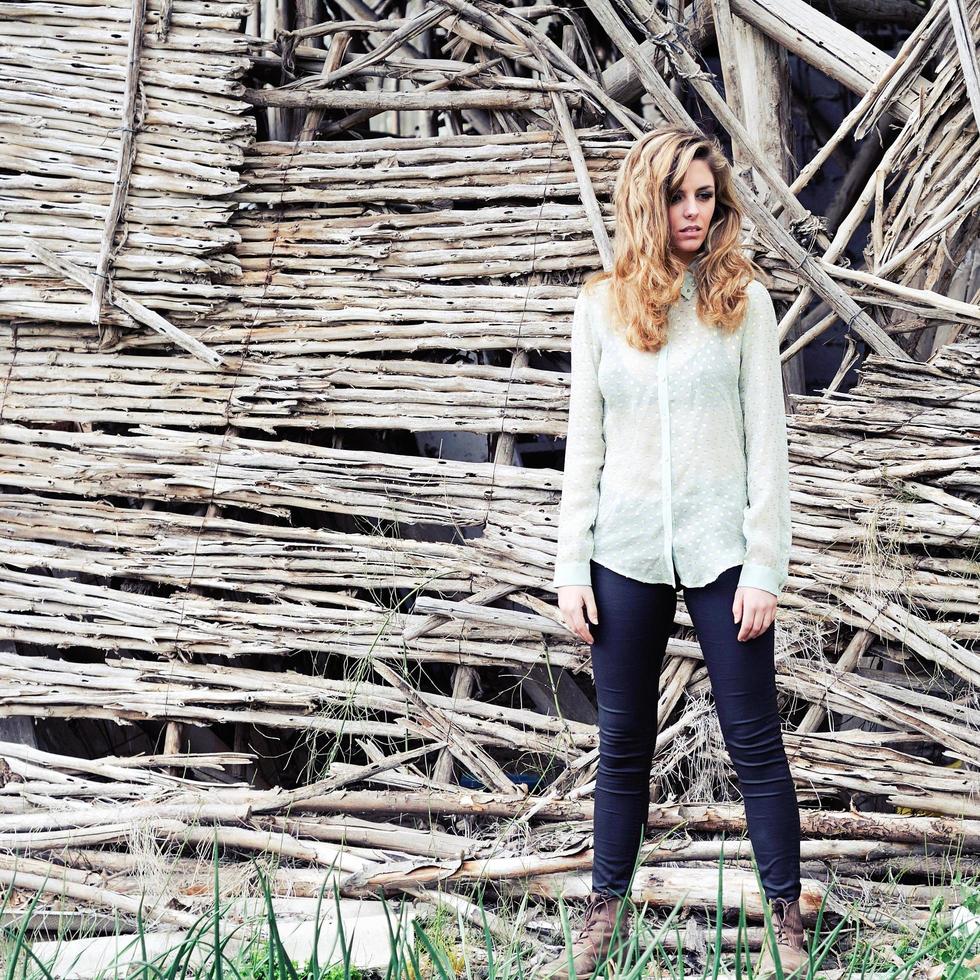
(676, 462)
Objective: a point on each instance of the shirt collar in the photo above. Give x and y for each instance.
(689, 285)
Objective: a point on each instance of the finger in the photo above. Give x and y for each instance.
(587, 605)
(747, 632)
(586, 632)
(737, 606)
(743, 630)
(591, 606)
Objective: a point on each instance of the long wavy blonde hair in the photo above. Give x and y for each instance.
(645, 277)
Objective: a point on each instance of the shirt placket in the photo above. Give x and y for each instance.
(662, 394)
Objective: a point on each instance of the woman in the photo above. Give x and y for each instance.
(676, 476)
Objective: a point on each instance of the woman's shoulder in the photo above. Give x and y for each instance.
(594, 294)
(595, 286)
(759, 298)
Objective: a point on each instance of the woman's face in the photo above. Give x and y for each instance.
(692, 205)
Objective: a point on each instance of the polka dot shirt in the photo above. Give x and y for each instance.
(676, 462)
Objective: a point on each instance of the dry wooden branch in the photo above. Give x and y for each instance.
(135, 309)
(125, 161)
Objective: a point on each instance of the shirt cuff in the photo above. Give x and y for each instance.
(572, 573)
(760, 577)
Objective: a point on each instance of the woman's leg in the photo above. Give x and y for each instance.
(635, 622)
(743, 681)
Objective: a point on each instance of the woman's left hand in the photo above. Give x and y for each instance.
(755, 609)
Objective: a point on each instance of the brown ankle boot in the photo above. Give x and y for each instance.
(787, 924)
(594, 941)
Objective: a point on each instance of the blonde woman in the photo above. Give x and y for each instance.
(676, 476)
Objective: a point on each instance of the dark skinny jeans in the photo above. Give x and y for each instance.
(630, 639)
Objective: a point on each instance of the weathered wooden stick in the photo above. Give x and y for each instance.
(54, 882)
(135, 309)
(288, 797)
(124, 166)
(387, 101)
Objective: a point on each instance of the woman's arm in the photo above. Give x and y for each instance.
(766, 523)
(585, 450)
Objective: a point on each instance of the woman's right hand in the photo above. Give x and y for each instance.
(574, 601)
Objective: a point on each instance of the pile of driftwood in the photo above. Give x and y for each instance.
(250, 607)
